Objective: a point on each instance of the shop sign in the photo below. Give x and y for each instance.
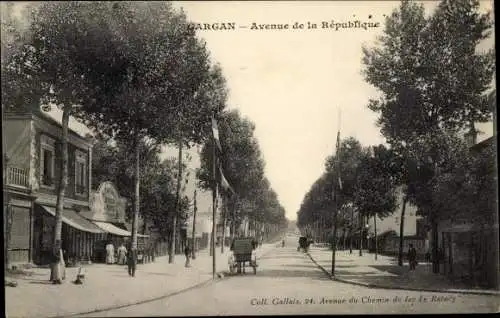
(107, 205)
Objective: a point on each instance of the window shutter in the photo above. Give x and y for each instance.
(20, 230)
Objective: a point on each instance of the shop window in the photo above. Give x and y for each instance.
(80, 172)
(47, 159)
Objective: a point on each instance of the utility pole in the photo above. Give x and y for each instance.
(223, 234)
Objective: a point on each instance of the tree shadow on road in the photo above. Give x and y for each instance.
(280, 256)
(284, 273)
(41, 282)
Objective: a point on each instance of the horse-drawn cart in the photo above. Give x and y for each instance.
(243, 255)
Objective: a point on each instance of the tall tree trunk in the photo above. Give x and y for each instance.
(435, 256)
(350, 231)
(171, 252)
(361, 231)
(375, 229)
(195, 209)
(343, 238)
(401, 231)
(137, 201)
(63, 182)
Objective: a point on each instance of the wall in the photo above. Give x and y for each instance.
(392, 222)
(391, 245)
(70, 189)
(17, 142)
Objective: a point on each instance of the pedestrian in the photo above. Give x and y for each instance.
(110, 253)
(132, 261)
(58, 266)
(187, 253)
(412, 257)
(122, 255)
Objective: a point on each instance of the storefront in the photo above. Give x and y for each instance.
(78, 234)
(107, 213)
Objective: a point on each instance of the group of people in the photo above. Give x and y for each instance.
(122, 257)
(119, 257)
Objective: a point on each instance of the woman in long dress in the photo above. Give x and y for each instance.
(122, 254)
(110, 253)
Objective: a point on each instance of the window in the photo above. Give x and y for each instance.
(47, 161)
(80, 172)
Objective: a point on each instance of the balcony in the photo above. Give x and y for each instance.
(17, 177)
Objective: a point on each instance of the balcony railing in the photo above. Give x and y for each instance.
(17, 176)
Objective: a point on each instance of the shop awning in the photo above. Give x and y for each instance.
(113, 229)
(73, 219)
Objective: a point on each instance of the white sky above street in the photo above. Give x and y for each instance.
(292, 83)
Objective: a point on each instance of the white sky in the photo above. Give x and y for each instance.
(291, 83)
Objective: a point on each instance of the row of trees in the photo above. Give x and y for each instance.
(366, 181)
(131, 71)
(435, 85)
(112, 161)
(243, 166)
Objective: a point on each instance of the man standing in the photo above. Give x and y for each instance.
(412, 257)
(132, 261)
(187, 253)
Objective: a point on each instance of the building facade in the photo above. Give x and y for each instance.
(32, 147)
(32, 150)
(469, 250)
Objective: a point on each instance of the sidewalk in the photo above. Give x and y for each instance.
(109, 286)
(385, 273)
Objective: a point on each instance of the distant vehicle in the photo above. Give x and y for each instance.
(304, 243)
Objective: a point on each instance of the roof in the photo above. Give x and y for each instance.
(73, 219)
(43, 116)
(111, 228)
(489, 142)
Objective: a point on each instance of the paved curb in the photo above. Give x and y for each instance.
(206, 282)
(449, 291)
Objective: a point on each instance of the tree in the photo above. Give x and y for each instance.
(115, 66)
(432, 80)
(44, 65)
(241, 162)
(375, 187)
(111, 161)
